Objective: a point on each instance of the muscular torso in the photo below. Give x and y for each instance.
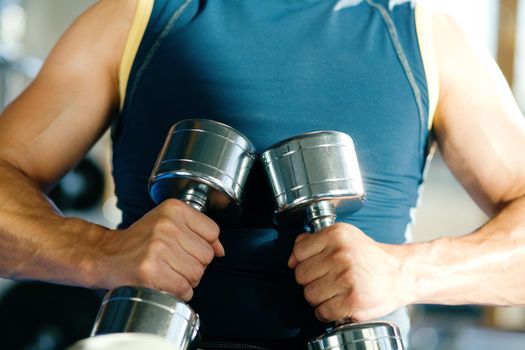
(272, 71)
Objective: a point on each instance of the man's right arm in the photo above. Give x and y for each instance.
(44, 133)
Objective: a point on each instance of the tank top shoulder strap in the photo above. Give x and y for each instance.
(152, 22)
(138, 27)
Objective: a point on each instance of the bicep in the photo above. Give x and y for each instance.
(52, 124)
(479, 127)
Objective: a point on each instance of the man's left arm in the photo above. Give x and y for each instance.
(481, 134)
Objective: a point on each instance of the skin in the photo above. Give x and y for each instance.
(345, 274)
(72, 102)
(481, 134)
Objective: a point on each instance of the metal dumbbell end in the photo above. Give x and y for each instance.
(144, 310)
(360, 336)
(124, 341)
(314, 177)
(205, 164)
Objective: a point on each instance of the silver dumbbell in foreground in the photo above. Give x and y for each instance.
(205, 164)
(314, 177)
(124, 341)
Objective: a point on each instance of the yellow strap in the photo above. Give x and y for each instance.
(138, 28)
(428, 54)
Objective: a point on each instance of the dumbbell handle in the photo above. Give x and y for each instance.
(195, 195)
(320, 215)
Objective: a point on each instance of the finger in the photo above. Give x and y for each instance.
(218, 248)
(202, 224)
(191, 242)
(321, 290)
(333, 309)
(301, 236)
(292, 262)
(196, 246)
(185, 264)
(313, 268)
(174, 283)
(195, 220)
(307, 247)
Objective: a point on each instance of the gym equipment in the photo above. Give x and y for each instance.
(205, 164)
(80, 189)
(124, 341)
(149, 311)
(314, 177)
(379, 335)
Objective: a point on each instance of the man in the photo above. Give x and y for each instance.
(272, 70)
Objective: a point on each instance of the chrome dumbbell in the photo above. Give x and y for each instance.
(314, 177)
(205, 164)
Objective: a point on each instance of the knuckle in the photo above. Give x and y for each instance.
(186, 292)
(193, 274)
(310, 295)
(208, 255)
(337, 233)
(213, 231)
(163, 225)
(323, 313)
(198, 272)
(194, 283)
(171, 203)
(299, 275)
(153, 249)
(346, 278)
(298, 254)
(301, 237)
(341, 258)
(181, 288)
(214, 228)
(145, 271)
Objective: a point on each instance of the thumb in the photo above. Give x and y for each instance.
(218, 249)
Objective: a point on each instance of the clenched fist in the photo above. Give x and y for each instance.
(346, 274)
(168, 249)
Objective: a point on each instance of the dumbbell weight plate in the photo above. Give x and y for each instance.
(205, 162)
(360, 336)
(124, 341)
(311, 168)
(143, 310)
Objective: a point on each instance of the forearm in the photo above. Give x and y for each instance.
(484, 267)
(36, 242)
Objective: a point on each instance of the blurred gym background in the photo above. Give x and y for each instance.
(36, 316)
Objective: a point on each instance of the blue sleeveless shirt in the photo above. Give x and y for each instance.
(274, 69)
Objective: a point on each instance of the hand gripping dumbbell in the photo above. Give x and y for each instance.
(205, 164)
(313, 177)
